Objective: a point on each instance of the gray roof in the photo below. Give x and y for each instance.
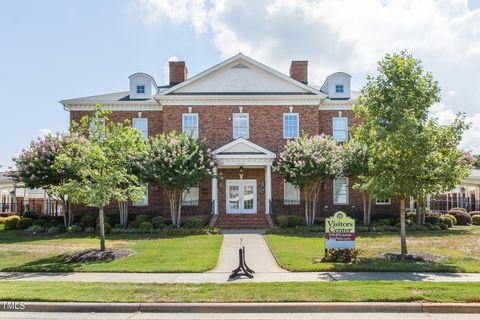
(110, 97)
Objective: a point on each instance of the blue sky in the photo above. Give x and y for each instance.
(54, 50)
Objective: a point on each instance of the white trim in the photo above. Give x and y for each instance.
(389, 202)
(267, 154)
(232, 60)
(347, 193)
(183, 123)
(239, 100)
(113, 107)
(268, 188)
(241, 114)
(146, 127)
(298, 124)
(241, 184)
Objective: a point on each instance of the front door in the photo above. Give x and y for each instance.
(241, 196)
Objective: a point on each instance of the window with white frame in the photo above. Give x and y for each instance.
(141, 89)
(290, 126)
(339, 88)
(386, 201)
(340, 129)
(144, 200)
(142, 125)
(240, 125)
(291, 194)
(190, 197)
(340, 191)
(190, 124)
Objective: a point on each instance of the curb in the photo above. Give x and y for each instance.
(290, 307)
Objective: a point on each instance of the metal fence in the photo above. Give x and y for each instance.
(444, 205)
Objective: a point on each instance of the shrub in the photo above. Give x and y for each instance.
(194, 222)
(140, 219)
(158, 222)
(282, 221)
(294, 221)
(145, 226)
(446, 221)
(435, 227)
(457, 209)
(31, 214)
(76, 228)
(411, 215)
(11, 222)
(449, 217)
(40, 223)
(89, 230)
(342, 255)
(463, 218)
(432, 219)
(475, 213)
(87, 221)
(24, 223)
(106, 226)
(443, 226)
(36, 229)
(476, 220)
(2, 220)
(53, 230)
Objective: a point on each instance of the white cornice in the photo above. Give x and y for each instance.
(242, 100)
(114, 107)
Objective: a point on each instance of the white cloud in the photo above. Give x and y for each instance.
(348, 35)
(166, 69)
(43, 132)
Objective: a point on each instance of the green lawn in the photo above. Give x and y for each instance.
(151, 253)
(460, 249)
(241, 292)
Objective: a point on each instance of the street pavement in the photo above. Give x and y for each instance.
(236, 316)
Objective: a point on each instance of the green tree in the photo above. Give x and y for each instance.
(307, 162)
(394, 107)
(176, 162)
(34, 168)
(103, 165)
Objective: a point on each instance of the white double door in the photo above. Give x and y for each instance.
(241, 196)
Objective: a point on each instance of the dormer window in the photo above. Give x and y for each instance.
(339, 88)
(141, 89)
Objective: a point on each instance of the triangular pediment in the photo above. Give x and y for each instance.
(240, 75)
(243, 147)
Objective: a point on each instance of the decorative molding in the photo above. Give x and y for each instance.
(239, 100)
(114, 107)
(336, 107)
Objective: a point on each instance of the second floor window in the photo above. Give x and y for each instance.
(339, 88)
(190, 124)
(340, 129)
(140, 89)
(240, 125)
(142, 125)
(290, 126)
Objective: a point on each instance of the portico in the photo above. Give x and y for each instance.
(243, 179)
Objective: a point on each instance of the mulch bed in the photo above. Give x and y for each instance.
(92, 255)
(422, 257)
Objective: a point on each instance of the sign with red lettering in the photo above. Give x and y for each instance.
(339, 231)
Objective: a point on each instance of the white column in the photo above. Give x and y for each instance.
(268, 188)
(412, 207)
(429, 202)
(14, 199)
(458, 199)
(477, 202)
(215, 191)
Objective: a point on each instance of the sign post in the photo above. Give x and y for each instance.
(339, 232)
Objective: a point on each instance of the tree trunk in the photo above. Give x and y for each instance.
(65, 211)
(71, 214)
(369, 211)
(176, 201)
(102, 228)
(364, 199)
(403, 230)
(123, 210)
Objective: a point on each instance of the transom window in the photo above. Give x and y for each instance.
(290, 126)
(141, 89)
(144, 200)
(340, 191)
(339, 88)
(386, 201)
(291, 194)
(340, 129)
(190, 124)
(142, 125)
(240, 125)
(190, 197)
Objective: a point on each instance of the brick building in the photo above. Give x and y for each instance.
(246, 111)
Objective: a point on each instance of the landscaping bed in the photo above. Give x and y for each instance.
(457, 249)
(357, 291)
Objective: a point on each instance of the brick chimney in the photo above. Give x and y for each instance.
(177, 72)
(299, 71)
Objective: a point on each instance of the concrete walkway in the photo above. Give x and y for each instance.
(258, 255)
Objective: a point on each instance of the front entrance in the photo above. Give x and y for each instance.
(241, 196)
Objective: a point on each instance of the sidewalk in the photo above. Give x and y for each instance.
(222, 277)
